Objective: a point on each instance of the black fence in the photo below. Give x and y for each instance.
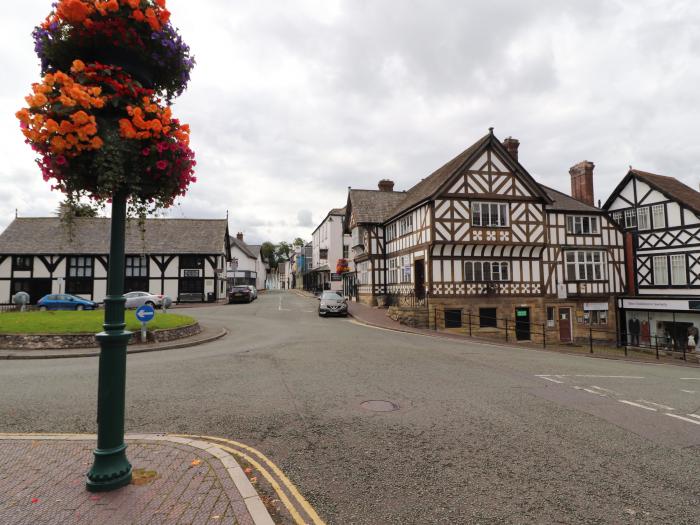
(512, 329)
(408, 299)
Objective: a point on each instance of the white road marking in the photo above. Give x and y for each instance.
(637, 405)
(605, 390)
(550, 379)
(611, 377)
(690, 378)
(590, 391)
(689, 391)
(695, 415)
(655, 404)
(684, 419)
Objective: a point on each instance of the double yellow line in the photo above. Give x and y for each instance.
(273, 474)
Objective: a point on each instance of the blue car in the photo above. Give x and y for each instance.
(64, 301)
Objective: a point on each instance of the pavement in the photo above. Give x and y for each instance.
(207, 335)
(175, 480)
(375, 426)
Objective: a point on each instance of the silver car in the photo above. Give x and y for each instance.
(253, 292)
(136, 299)
(332, 303)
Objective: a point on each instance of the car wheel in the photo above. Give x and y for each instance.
(42, 308)
(79, 307)
(150, 303)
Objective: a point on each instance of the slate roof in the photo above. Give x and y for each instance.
(374, 206)
(672, 187)
(563, 202)
(249, 250)
(90, 235)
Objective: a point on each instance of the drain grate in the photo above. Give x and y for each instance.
(378, 405)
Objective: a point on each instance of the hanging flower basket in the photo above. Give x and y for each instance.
(134, 34)
(97, 130)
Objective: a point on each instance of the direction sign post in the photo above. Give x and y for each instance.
(145, 314)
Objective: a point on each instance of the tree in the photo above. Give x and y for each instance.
(268, 252)
(75, 209)
(299, 242)
(283, 251)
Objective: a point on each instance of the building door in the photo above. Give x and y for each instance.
(419, 272)
(522, 323)
(565, 325)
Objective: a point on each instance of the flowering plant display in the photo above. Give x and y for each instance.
(136, 32)
(97, 131)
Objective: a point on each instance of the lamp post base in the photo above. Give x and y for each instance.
(111, 470)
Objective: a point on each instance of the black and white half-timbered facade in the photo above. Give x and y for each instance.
(184, 259)
(480, 235)
(661, 218)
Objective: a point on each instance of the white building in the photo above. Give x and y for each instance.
(661, 218)
(246, 266)
(330, 245)
(181, 258)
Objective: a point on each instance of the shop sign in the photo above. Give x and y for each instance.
(655, 304)
(595, 306)
(336, 277)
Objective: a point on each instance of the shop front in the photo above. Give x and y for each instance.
(669, 323)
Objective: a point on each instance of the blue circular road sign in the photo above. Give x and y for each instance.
(145, 313)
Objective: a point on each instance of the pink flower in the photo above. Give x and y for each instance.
(161, 164)
(162, 146)
(146, 152)
(61, 160)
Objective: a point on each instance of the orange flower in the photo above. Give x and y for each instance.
(77, 66)
(80, 117)
(164, 16)
(37, 100)
(96, 143)
(138, 16)
(112, 5)
(73, 11)
(160, 3)
(133, 3)
(58, 144)
(126, 128)
(65, 127)
(23, 115)
(51, 126)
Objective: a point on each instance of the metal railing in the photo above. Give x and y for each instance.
(409, 299)
(511, 329)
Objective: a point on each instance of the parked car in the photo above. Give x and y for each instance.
(254, 291)
(65, 302)
(136, 299)
(240, 294)
(332, 303)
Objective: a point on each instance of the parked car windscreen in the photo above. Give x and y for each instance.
(332, 296)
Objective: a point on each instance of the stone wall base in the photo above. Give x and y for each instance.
(414, 317)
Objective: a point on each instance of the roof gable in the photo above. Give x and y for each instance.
(671, 187)
(488, 153)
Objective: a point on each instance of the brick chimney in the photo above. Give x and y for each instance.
(511, 145)
(582, 182)
(239, 236)
(386, 185)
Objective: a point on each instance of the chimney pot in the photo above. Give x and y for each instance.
(582, 182)
(239, 236)
(386, 185)
(511, 146)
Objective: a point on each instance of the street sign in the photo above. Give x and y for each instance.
(145, 313)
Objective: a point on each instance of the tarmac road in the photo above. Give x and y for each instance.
(482, 433)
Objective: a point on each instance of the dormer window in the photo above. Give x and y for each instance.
(490, 214)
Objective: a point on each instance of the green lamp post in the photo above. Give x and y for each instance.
(111, 468)
(102, 127)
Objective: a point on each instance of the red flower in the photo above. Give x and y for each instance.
(146, 151)
(161, 164)
(61, 160)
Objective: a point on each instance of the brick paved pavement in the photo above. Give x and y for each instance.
(43, 482)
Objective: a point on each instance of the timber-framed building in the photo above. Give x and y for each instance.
(481, 235)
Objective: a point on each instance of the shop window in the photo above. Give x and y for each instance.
(22, 263)
(599, 317)
(488, 318)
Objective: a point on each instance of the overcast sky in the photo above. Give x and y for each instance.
(293, 101)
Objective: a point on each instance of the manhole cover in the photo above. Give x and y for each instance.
(377, 405)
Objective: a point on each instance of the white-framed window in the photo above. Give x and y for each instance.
(393, 270)
(363, 272)
(643, 218)
(630, 218)
(491, 214)
(585, 265)
(405, 269)
(661, 270)
(406, 225)
(391, 232)
(617, 217)
(678, 273)
(579, 225)
(658, 216)
(478, 271)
